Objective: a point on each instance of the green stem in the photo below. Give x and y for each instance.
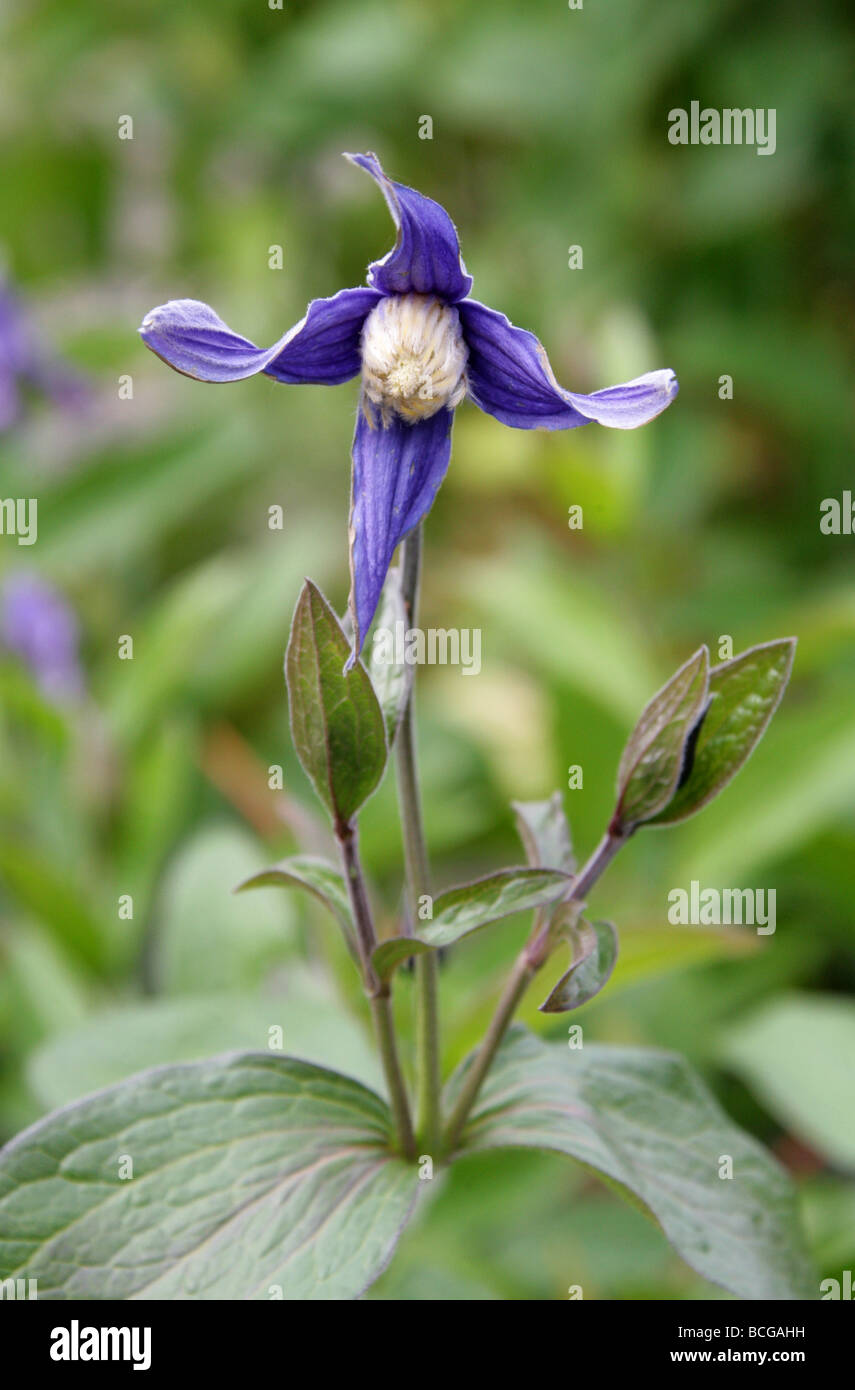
(596, 865)
(418, 879)
(377, 990)
(384, 1028)
(527, 964)
(518, 982)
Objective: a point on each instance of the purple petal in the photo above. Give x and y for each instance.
(509, 376)
(397, 470)
(323, 348)
(426, 255)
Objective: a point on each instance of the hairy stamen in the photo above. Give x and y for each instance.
(413, 357)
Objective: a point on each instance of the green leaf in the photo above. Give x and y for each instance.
(392, 680)
(654, 756)
(336, 720)
(595, 947)
(545, 833)
(120, 1042)
(780, 805)
(249, 1172)
(465, 909)
(744, 694)
(320, 878)
(471, 906)
(393, 952)
(646, 1122)
(796, 1055)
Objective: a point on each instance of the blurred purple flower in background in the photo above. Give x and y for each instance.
(421, 344)
(23, 363)
(39, 626)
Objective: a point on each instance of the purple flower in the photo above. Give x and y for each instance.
(421, 344)
(38, 625)
(23, 363)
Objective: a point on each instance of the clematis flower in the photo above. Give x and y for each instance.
(420, 344)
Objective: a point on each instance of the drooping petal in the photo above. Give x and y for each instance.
(426, 256)
(509, 376)
(397, 470)
(323, 348)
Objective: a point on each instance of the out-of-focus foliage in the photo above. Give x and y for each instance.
(549, 131)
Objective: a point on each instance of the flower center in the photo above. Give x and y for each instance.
(413, 356)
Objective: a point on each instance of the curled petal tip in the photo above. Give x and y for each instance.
(426, 256)
(323, 348)
(509, 376)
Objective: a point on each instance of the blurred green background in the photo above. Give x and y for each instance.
(549, 130)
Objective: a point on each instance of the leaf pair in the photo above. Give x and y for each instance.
(696, 733)
(259, 1177)
(456, 913)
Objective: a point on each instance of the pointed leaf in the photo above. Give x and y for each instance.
(392, 679)
(646, 1122)
(462, 910)
(320, 878)
(653, 758)
(471, 906)
(595, 949)
(743, 695)
(249, 1172)
(543, 828)
(336, 721)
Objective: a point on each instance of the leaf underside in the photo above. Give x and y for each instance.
(392, 680)
(319, 878)
(595, 949)
(545, 832)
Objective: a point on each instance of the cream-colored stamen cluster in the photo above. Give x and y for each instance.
(413, 357)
